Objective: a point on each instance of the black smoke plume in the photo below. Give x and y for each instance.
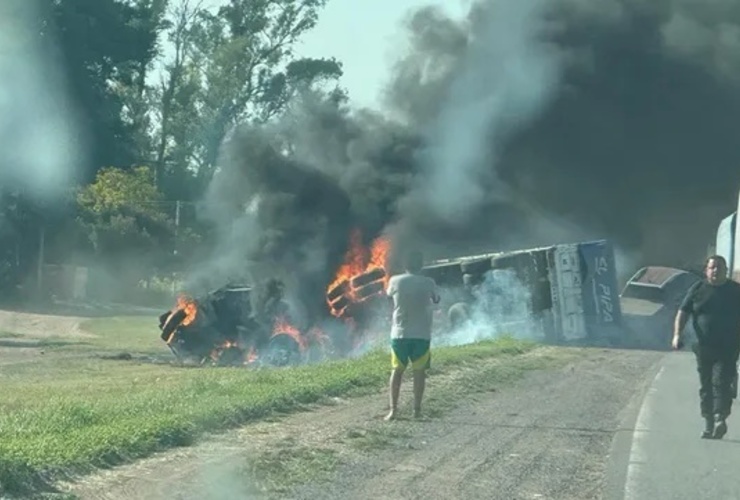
(631, 138)
(525, 123)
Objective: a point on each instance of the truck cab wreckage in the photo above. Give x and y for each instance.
(221, 329)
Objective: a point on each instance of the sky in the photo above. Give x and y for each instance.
(363, 35)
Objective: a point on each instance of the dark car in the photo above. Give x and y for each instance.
(650, 300)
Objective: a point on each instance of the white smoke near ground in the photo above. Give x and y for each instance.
(501, 306)
(40, 146)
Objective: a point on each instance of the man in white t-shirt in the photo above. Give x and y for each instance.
(413, 297)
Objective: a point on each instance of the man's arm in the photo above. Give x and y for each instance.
(682, 316)
(435, 294)
(391, 288)
(679, 323)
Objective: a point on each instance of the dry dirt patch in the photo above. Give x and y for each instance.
(42, 326)
(23, 335)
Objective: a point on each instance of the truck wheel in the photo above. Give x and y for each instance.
(283, 350)
(458, 314)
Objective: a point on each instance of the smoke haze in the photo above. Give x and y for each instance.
(38, 137)
(504, 77)
(501, 308)
(525, 124)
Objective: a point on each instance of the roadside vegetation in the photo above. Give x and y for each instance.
(73, 408)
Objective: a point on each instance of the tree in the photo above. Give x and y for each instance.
(150, 21)
(122, 214)
(126, 220)
(104, 45)
(229, 67)
(246, 56)
(175, 96)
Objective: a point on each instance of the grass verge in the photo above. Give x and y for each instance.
(69, 414)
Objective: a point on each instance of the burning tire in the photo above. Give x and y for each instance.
(283, 350)
(338, 291)
(362, 280)
(369, 290)
(340, 303)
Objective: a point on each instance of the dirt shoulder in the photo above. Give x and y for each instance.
(23, 335)
(546, 437)
(41, 326)
(538, 428)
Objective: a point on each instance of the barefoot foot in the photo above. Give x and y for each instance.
(391, 415)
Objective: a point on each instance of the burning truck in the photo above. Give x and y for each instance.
(568, 293)
(224, 328)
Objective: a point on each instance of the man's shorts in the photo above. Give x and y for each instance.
(415, 351)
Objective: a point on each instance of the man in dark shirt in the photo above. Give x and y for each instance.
(714, 306)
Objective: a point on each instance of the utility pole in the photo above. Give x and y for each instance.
(40, 263)
(177, 224)
(174, 250)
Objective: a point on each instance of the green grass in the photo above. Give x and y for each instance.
(135, 334)
(72, 410)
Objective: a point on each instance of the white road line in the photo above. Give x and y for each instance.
(637, 453)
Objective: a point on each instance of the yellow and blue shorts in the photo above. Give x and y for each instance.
(414, 351)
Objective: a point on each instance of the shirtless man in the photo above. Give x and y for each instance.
(411, 330)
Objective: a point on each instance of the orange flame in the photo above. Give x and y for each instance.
(358, 261)
(188, 305)
(216, 353)
(354, 261)
(282, 326)
(379, 258)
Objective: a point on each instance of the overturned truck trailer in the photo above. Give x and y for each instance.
(572, 289)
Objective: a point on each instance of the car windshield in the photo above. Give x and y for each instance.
(651, 293)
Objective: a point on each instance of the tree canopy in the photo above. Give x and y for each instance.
(158, 85)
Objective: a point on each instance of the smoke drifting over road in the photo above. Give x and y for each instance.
(526, 123)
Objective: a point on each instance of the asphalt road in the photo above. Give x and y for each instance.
(659, 454)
